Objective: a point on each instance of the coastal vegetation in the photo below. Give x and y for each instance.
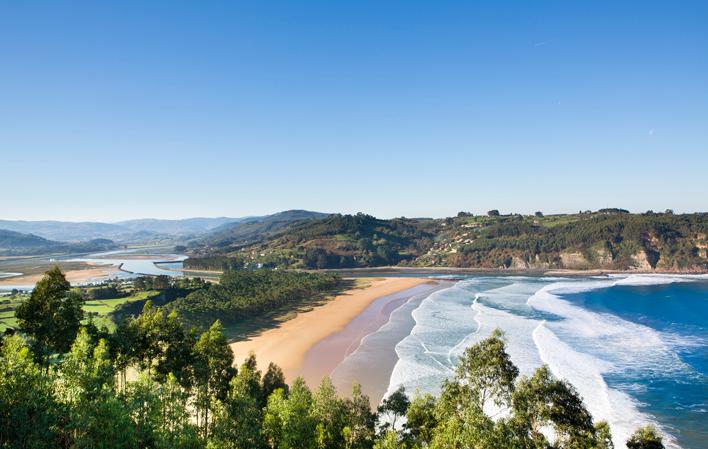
(609, 239)
(247, 294)
(66, 386)
(106, 304)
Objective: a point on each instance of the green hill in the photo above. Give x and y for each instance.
(610, 239)
(17, 240)
(249, 230)
(15, 243)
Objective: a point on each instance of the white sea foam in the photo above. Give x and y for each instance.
(578, 345)
(584, 345)
(449, 321)
(584, 372)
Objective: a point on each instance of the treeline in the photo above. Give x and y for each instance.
(246, 294)
(164, 282)
(71, 390)
(214, 263)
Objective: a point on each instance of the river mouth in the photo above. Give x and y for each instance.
(22, 273)
(133, 263)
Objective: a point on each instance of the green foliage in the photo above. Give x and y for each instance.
(421, 420)
(105, 292)
(85, 387)
(389, 440)
(609, 239)
(213, 370)
(288, 423)
(239, 417)
(335, 241)
(542, 401)
(358, 432)
(51, 316)
(668, 241)
(329, 411)
(248, 293)
(645, 438)
(214, 263)
(273, 379)
(394, 407)
(485, 372)
(28, 410)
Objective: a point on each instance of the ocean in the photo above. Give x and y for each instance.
(635, 347)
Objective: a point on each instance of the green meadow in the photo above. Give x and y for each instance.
(97, 310)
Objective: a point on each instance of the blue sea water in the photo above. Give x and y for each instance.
(635, 347)
(676, 395)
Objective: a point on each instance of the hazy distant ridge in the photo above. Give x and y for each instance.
(128, 230)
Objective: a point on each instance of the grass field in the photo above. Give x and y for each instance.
(7, 311)
(97, 309)
(550, 221)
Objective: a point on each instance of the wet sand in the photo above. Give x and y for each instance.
(90, 273)
(288, 343)
(365, 350)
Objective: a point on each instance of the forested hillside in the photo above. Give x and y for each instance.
(610, 239)
(254, 229)
(336, 241)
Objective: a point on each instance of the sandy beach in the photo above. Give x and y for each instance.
(90, 273)
(287, 344)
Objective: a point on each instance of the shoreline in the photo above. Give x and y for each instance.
(92, 273)
(288, 343)
(505, 272)
(475, 270)
(365, 351)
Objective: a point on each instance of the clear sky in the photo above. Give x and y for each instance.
(117, 110)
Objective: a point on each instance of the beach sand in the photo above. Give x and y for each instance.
(287, 344)
(91, 272)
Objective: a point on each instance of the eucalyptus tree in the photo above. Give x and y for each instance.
(289, 422)
(213, 370)
(329, 411)
(238, 418)
(51, 316)
(96, 417)
(360, 421)
(421, 420)
(392, 408)
(29, 413)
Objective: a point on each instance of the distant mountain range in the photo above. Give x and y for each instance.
(25, 237)
(130, 230)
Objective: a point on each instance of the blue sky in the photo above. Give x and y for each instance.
(121, 110)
